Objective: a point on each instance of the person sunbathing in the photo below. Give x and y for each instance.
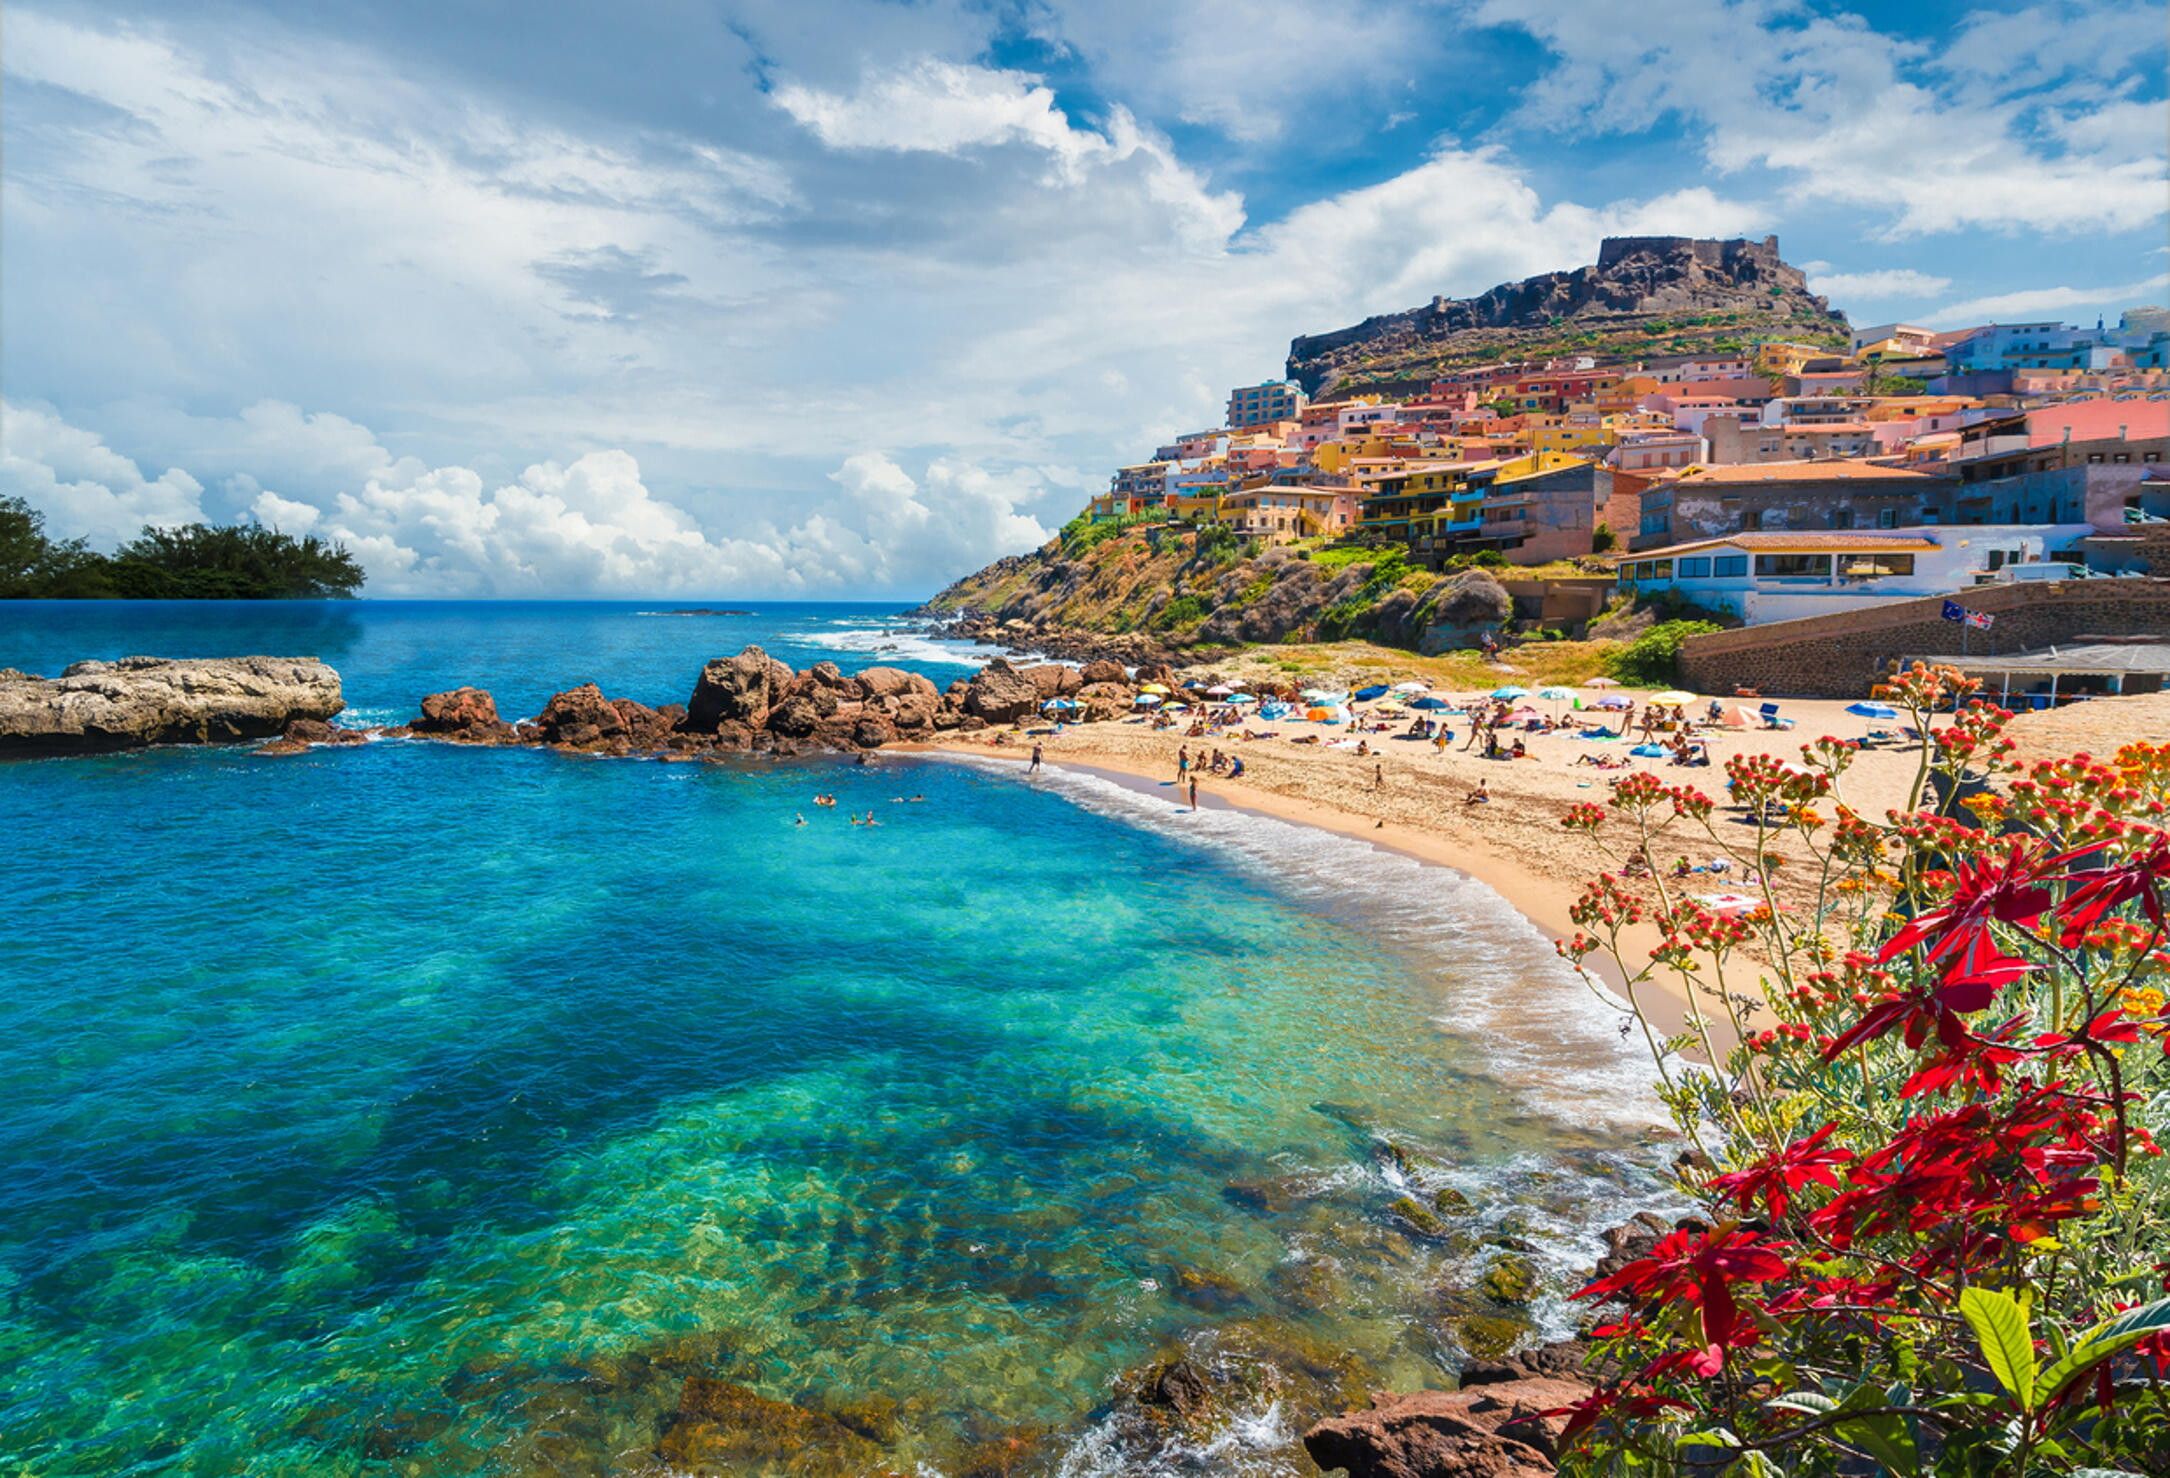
(1520, 751)
(1478, 797)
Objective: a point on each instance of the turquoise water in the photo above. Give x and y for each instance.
(419, 1109)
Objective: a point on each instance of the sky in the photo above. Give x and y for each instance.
(841, 299)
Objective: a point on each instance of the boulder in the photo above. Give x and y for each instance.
(1490, 1431)
(1102, 670)
(797, 717)
(97, 707)
(308, 731)
(1053, 680)
(460, 711)
(888, 682)
(913, 712)
(580, 717)
(1000, 694)
(738, 689)
(725, 1430)
(828, 677)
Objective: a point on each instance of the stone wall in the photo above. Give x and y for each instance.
(1840, 656)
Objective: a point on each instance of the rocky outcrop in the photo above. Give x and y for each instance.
(1487, 1431)
(1001, 694)
(98, 707)
(1656, 285)
(738, 690)
(464, 716)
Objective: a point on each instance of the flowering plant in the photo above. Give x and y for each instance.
(1933, 1221)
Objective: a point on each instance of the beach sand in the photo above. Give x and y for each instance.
(1408, 798)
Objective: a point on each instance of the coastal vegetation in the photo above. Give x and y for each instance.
(1932, 1208)
(192, 562)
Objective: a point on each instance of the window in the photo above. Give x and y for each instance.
(1887, 518)
(1792, 566)
(1697, 568)
(1842, 518)
(1664, 569)
(1752, 520)
(1897, 564)
(1730, 566)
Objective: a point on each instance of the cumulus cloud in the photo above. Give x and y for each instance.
(84, 488)
(587, 525)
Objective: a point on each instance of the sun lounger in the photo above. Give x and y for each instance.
(1771, 720)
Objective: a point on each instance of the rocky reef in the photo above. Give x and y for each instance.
(99, 707)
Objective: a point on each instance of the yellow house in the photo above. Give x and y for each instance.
(1201, 508)
(1779, 358)
(1544, 439)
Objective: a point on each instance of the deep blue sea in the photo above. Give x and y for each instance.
(410, 1108)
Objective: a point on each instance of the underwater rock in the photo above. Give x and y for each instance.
(1417, 1219)
(1204, 1289)
(99, 707)
(721, 1430)
(1510, 1278)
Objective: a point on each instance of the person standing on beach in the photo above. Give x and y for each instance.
(1182, 764)
(1034, 767)
(1194, 792)
(1378, 777)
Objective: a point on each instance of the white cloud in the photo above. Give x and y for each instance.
(1874, 286)
(84, 488)
(1930, 139)
(2036, 302)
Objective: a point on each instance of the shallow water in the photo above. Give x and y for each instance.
(445, 1109)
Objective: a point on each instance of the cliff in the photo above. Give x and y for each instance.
(1645, 295)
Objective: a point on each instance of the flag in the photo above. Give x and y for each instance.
(1980, 620)
(1953, 611)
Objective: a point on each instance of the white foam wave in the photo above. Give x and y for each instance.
(1543, 1031)
(883, 642)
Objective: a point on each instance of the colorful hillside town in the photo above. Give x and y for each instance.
(1771, 482)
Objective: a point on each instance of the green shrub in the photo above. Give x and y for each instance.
(1652, 660)
(1081, 533)
(1182, 612)
(1603, 539)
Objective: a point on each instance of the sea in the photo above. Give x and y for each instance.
(407, 1108)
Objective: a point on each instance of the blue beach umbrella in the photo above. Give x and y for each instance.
(1378, 690)
(1649, 751)
(1146, 700)
(1872, 710)
(1510, 692)
(1241, 698)
(1057, 703)
(1433, 703)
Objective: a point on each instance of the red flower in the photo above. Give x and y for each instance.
(2140, 877)
(1983, 892)
(1697, 1268)
(1775, 1179)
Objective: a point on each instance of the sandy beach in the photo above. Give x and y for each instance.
(1410, 798)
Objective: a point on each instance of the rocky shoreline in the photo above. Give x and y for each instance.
(102, 707)
(754, 704)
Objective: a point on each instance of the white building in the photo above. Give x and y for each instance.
(1763, 577)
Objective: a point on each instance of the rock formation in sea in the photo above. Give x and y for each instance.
(98, 707)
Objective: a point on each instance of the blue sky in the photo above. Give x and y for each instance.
(827, 297)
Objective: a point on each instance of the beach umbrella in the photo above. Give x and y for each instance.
(1153, 688)
(1412, 686)
(1737, 718)
(1240, 698)
(1429, 703)
(1556, 695)
(1327, 713)
(1193, 682)
(1146, 700)
(1055, 703)
(1601, 682)
(1615, 702)
(1649, 751)
(1219, 690)
(1872, 710)
(1379, 690)
(1509, 693)
(1673, 697)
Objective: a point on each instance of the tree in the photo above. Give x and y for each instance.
(194, 562)
(1603, 540)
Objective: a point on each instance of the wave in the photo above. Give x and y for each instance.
(1543, 1031)
(882, 640)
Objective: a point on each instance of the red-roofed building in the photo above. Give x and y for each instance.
(2099, 420)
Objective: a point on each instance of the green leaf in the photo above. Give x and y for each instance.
(2109, 1338)
(1813, 1402)
(1754, 1464)
(1884, 1437)
(1999, 1322)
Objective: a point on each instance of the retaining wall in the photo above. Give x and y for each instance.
(1839, 656)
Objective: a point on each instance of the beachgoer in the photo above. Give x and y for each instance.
(1378, 777)
(1520, 751)
(1182, 764)
(1194, 792)
(799, 819)
(1034, 767)
(1478, 797)
(1235, 766)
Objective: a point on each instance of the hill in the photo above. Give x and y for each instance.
(1165, 587)
(1646, 295)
